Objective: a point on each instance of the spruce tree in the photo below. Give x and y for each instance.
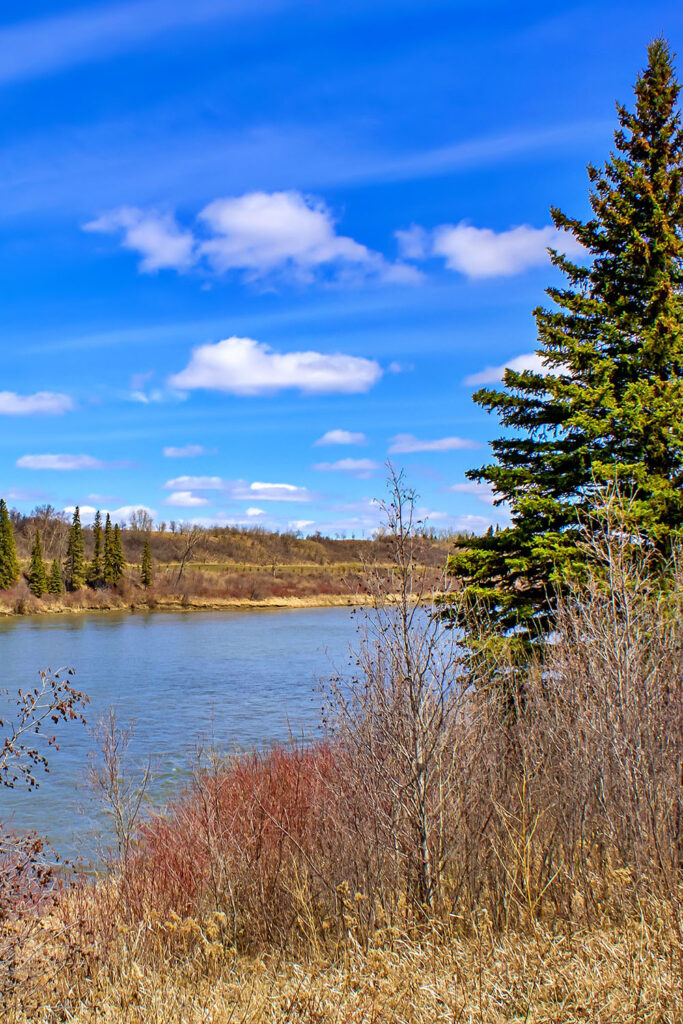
(610, 407)
(9, 563)
(74, 566)
(119, 561)
(109, 569)
(146, 565)
(55, 584)
(37, 574)
(96, 567)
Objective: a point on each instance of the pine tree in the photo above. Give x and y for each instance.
(610, 407)
(146, 565)
(74, 566)
(9, 563)
(37, 574)
(96, 567)
(55, 584)
(119, 561)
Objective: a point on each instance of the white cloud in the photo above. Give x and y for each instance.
(492, 374)
(186, 499)
(260, 235)
(272, 492)
(404, 443)
(195, 483)
(156, 236)
(482, 252)
(187, 451)
(362, 468)
(300, 524)
(243, 366)
(341, 437)
(62, 462)
(240, 490)
(42, 403)
(253, 513)
(413, 243)
(481, 491)
(261, 232)
(118, 515)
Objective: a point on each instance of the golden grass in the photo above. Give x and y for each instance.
(605, 975)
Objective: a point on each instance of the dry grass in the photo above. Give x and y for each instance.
(605, 975)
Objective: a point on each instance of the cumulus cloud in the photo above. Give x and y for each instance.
(242, 366)
(187, 451)
(405, 443)
(118, 515)
(42, 403)
(357, 467)
(259, 235)
(341, 437)
(253, 513)
(261, 232)
(156, 236)
(482, 252)
(493, 374)
(240, 489)
(61, 462)
(186, 499)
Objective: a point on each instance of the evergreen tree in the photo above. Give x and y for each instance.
(37, 574)
(96, 567)
(146, 565)
(74, 565)
(55, 584)
(109, 570)
(610, 406)
(119, 560)
(9, 563)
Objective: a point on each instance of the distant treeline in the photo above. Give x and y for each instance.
(96, 555)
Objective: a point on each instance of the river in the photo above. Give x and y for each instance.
(233, 679)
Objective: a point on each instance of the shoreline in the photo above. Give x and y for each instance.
(197, 604)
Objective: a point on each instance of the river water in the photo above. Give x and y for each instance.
(233, 680)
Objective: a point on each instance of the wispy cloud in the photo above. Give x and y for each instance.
(406, 443)
(482, 252)
(186, 499)
(493, 374)
(481, 491)
(42, 403)
(156, 236)
(341, 437)
(62, 462)
(361, 468)
(42, 46)
(242, 366)
(241, 490)
(187, 451)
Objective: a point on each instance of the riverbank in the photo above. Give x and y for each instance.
(113, 603)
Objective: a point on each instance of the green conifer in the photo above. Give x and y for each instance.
(119, 560)
(609, 403)
(96, 567)
(109, 569)
(74, 566)
(37, 574)
(9, 563)
(55, 583)
(146, 565)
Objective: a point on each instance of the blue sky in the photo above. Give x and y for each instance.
(250, 250)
